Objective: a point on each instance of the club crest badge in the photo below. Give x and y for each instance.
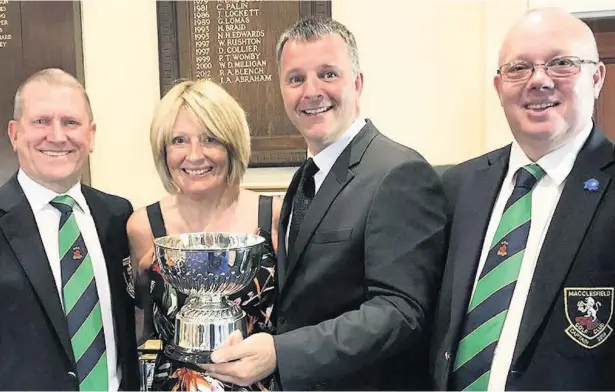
(589, 311)
(77, 253)
(503, 250)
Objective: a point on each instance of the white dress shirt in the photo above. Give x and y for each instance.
(48, 221)
(327, 157)
(557, 165)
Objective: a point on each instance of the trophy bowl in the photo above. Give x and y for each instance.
(208, 267)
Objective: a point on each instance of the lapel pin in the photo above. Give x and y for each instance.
(591, 185)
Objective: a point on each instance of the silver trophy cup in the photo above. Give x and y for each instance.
(207, 267)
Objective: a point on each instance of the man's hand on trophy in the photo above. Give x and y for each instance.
(243, 361)
(234, 338)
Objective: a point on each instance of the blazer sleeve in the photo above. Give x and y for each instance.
(123, 212)
(404, 249)
(452, 180)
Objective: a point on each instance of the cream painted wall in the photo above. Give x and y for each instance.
(121, 76)
(428, 80)
(423, 68)
(577, 6)
(499, 17)
(407, 51)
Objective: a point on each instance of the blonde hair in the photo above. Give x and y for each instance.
(52, 76)
(217, 111)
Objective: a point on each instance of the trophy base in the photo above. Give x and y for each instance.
(203, 326)
(184, 355)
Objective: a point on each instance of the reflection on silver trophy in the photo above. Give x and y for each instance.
(207, 267)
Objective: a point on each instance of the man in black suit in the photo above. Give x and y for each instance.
(527, 296)
(362, 238)
(93, 344)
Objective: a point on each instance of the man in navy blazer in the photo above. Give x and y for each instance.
(52, 132)
(557, 327)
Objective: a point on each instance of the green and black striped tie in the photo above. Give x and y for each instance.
(81, 304)
(489, 305)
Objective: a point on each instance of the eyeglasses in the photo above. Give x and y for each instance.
(559, 67)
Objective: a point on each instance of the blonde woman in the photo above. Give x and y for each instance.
(201, 145)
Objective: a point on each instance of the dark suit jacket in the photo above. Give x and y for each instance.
(356, 291)
(34, 340)
(578, 252)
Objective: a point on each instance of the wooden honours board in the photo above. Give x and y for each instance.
(233, 43)
(34, 35)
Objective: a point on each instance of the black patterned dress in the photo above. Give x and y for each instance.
(256, 300)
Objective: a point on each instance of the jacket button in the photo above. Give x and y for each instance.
(72, 375)
(281, 320)
(447, 356)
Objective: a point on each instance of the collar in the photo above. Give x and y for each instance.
(39, 197)
(327, 157)
(557, 164)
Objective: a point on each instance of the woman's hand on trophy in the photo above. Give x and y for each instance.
(243, 361)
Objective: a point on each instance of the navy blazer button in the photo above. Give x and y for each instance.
(72, 375)
(447, 356)
(281, 320)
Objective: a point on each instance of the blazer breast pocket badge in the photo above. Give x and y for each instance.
(589, 311)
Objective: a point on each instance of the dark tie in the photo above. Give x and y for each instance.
(302, 199)
(81, 305)
(489, 305)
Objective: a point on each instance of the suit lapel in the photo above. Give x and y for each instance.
(571, 219)
(335, 181)
(20, 229)
(101, 216)
(477, 198)
(339, 176)
(287, 206)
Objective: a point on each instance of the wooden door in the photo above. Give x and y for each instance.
(604, 114)
(605, 106)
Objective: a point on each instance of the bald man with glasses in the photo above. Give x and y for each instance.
(527, 296)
